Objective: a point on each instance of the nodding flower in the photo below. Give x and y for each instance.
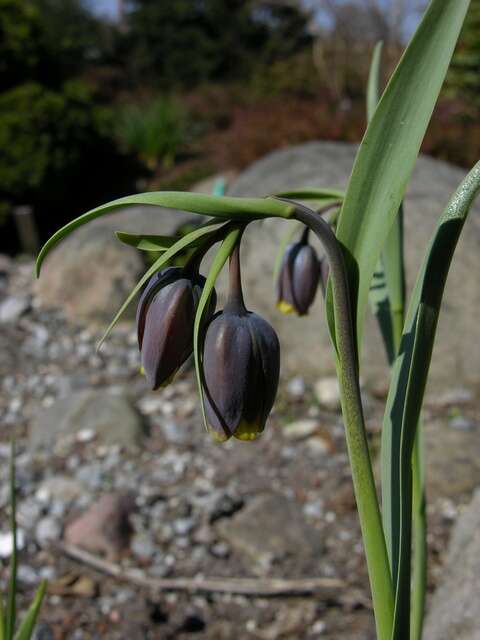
(241, 364)
(298, 278)
(165, 318)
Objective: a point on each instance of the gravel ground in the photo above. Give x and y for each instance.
(198, 509)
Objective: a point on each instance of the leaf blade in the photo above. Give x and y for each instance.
(182, 243)
(409, 377)
(218, 206)
(25, 631)
(390, 146)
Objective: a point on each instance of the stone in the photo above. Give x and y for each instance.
(296, 387)
(105, 527)
(327, 392)
(112, 417)
(47, 530)
(273, 527)
(6, 542)
(454, 606)
(300, 429)
(90, 273)
(306, 348)
(452, 460)
(12, 308)
(60, 488)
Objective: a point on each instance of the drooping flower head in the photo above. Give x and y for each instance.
(241, 363)
(165, 318)
(298, 278)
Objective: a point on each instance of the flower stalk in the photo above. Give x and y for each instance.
(359, 455)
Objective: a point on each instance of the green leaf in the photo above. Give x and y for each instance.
(2, 619)
(389, 149)
(312, 193)
(25, 631)
(409, 377)
(184, 242)
(373, 86)
(226, 248)
(12, 585)
(145, 242)
(216, 206)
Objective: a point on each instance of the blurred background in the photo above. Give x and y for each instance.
(99, 98)
(103, 98)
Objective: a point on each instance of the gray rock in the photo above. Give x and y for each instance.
(454, 607)
(300, 429)
(296, 387)
(305, 341)
(327, 392)
(12, 308)
(273, 528)
(91, 273)
(47, 530)
(112, 417)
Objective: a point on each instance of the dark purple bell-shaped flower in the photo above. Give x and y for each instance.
(298, 278)
(165, 318)
(241, 363)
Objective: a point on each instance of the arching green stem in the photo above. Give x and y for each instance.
(362, 475)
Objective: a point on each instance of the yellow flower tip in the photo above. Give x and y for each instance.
(217, 437)
(285, 307)
(168, 380)
(247, 431)
(142, 371)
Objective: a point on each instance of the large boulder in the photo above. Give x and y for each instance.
(90, 273)
(454, 608)
(305, 344)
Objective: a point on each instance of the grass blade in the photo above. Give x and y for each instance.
(28, 624)
(390, 146)
(409, 376)
(226, 248)
(145, 242)
(313, 193)
(181, 244)
(2, 620)
(12, 585)
(373, 85)
(216, 206)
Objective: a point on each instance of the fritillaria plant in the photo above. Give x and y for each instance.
(237, 352)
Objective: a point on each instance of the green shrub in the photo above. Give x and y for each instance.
(44, 134)
(155, 132)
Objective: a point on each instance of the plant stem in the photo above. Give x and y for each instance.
(420, 537)
(362, 475)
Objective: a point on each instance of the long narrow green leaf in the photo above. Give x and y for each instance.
(146, 242)
(184, 242)
(25, 631)
(2, 619)
(409, 377)
(312, 193)
(12, 585)
(389, 149)
(373, 85)
(216, 206)
(220, 259)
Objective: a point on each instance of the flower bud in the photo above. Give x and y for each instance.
(241, 363)
(165, 318)
(298, 278)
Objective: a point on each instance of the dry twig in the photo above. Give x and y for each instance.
(261, 587)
